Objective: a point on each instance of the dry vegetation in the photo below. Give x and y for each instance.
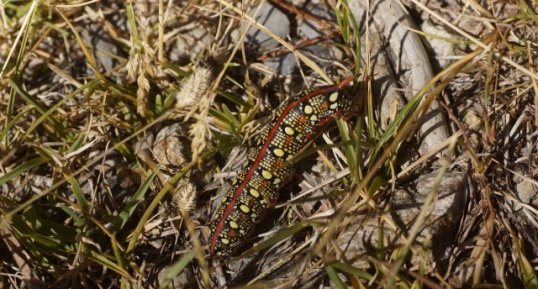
(121, 124)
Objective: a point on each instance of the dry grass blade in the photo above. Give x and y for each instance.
(121, 124)
(403, 132)
(291, 48)
(21, 33)
(93, 161)
(475, 41)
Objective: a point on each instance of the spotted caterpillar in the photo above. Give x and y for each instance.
(256, 187)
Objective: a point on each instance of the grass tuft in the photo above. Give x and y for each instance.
(122, 123)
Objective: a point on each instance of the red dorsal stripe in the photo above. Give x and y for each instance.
(230, 206)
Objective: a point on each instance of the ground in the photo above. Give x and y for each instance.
(123, 125)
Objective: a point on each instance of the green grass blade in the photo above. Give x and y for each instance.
(19, 224)
(43, 236)
(153, 205)
(527, 271)
(281, 235)
(47, 114)
(175, 269)
(133, 202)
(77, 192)
(391, 130)
(176, 69)
(38, 106)
(76, 217)
(22, 168)
(20, 57)
(231, 97)
(335, 279)
(349, 149)
(351, 270)
(106, 262)
(13, 121)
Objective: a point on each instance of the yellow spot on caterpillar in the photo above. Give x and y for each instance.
(278, 152)
(225, 241)
(314, 117)
(333, 105)
(254, 193)
(333, 97)
(244, 208)
(234, 225)
(308, 109)
(242, 232)
(277, 181)
(267, 174)
(289, 130)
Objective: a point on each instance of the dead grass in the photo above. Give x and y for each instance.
(93, 197)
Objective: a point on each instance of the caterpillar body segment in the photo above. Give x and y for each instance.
(257, 186)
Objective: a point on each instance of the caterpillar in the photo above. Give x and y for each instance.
(256, 188)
